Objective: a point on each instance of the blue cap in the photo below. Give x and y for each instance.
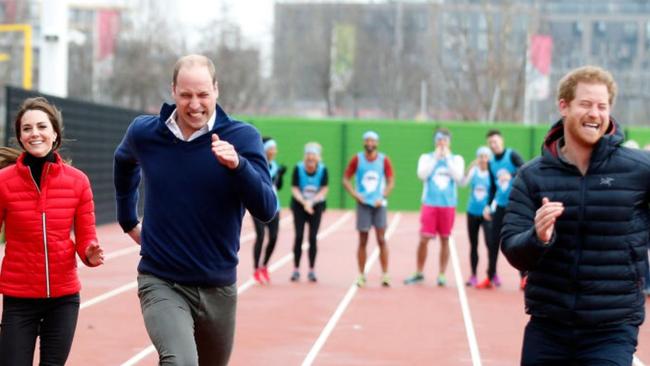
(270, 144)
(442, 135)
(312, 149)
(483, 150)
(371, 135)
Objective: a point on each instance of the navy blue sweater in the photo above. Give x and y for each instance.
(193, 205)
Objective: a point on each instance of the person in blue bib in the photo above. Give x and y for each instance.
(478, 178)
(374, 182)
(308, 194)
(503, 166)
(261, 273)
(440, 171)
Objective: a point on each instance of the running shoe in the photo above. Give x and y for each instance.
(385, 280)
(442, 280)
(496, 281)
(522, 284)
(361, 280)
(295, 276)
(472, 282)
(257, 275)
(417, 277)
(312, 276)
(265, 274)
(485, 284)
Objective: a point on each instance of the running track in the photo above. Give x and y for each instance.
(331, 322)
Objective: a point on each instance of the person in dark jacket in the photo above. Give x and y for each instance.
(202, 171)
(578, 222)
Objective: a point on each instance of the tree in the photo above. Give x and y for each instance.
(143, 59)
(241, 87)
(481, 60)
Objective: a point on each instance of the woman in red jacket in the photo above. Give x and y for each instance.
(41, 199)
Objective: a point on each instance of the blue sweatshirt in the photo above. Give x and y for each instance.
(193, 205)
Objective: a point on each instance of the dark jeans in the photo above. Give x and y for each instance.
(549, 343)
(474, 224)
(300, 218)
(274, 226)
(23, 320)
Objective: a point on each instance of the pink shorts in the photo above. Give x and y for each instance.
(436, 221)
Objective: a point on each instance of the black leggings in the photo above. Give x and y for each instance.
(300, 217)
(493, 248)
(273, 226)
(23, 320)
(474, 224)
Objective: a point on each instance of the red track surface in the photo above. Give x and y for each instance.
(279, 324)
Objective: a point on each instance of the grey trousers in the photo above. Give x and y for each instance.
(188, 325)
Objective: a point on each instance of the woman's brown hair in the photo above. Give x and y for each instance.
(8, 155)
(43, 105)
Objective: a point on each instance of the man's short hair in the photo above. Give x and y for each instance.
(194, 60)
(566, 88)
(442, 132)
(492, 132)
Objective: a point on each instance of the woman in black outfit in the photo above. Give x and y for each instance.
(309, 190)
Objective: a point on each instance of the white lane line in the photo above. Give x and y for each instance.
(637, 362)
(250, 282)
(136, 248)
(131, 285)
(140, 356)
(305, 245)
(464, 305)
(107, 295)
(329, 327)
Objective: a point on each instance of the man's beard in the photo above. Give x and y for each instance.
(370, 149)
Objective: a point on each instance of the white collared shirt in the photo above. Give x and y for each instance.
(173, 127)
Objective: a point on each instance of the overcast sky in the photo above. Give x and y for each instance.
(254, 16)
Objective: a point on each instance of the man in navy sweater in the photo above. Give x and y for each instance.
(202, 171)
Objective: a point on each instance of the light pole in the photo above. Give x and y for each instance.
(26, 29)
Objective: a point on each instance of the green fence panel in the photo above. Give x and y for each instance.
(638, 134)
(292, 135)
(538, 134)
(402, 141)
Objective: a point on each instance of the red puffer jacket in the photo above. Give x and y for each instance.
(39, 256)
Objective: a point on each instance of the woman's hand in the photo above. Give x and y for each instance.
(94, 254)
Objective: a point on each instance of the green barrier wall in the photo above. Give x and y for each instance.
(402, 141)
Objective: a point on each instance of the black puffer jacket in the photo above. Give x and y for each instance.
(592, 272)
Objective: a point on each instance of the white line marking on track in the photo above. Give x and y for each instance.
(136, 248)
(140, 356)
(305, 245)
(464, 305)
(329, 327)
(250, 282)
(108, 295)
(131, 285)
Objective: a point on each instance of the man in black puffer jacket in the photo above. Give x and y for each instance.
(578, 222)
